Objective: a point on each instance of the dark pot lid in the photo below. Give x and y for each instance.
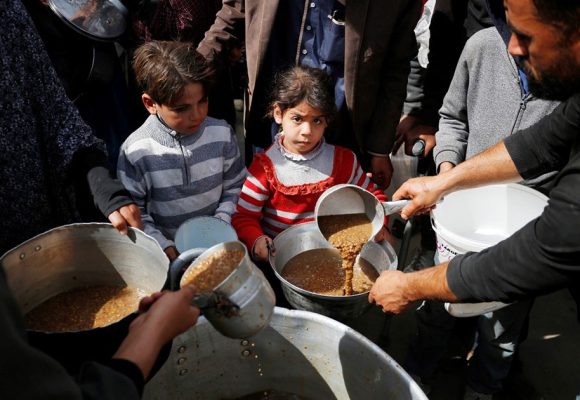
(97, 19)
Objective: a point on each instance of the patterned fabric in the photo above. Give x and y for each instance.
(182, 20)
(272, 201)
(174, 177)
(40, 131)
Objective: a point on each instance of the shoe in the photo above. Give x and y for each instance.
(471, 394)
(423, 258)
(425, 387)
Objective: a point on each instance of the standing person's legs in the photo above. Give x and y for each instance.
(434, 329)
(498, 338)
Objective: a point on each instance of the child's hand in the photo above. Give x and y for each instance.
(263, 243)
(385, 234)
(171, 253)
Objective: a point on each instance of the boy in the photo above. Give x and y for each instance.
(180, 163)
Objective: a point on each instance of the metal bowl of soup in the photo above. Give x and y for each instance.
(305, 239)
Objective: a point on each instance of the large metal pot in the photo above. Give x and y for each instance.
(78, 255)
(302, 237)
(246, 287)
(96, 19)
(302, 353)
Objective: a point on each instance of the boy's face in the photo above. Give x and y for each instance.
(303, 127)
(186, 113)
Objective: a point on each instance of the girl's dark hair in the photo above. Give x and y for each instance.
(163, 69)
(298, 84)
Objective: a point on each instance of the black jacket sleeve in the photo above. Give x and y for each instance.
(89, 167)
(545, 254)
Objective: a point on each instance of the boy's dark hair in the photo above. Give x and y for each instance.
(298, 84)
(563, 14)
(163, 69)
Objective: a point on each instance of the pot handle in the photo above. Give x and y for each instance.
(177, 266)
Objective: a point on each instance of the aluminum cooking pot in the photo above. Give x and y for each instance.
(78, 255)
(96, 19)
(352, 199)
(306, 236)
(301, 353)
(246, 288)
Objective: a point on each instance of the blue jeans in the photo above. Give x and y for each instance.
(497, 338)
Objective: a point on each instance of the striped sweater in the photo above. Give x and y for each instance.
(174, 177)
(282, 188)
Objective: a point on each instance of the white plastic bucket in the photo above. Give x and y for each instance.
(474, 219)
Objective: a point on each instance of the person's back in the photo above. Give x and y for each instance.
(180, 163)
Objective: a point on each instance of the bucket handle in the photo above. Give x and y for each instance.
(177, 267)
(433, 223)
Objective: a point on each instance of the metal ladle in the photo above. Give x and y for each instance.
(351, 199)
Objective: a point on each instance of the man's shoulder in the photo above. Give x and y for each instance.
(488, 38)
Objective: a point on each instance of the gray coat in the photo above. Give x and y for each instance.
(485, 103)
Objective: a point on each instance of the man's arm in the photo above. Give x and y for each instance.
(492, 166)
(228, 26)
(541, 148)
(453, 133)
(379, 139)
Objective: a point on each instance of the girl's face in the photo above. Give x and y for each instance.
(186, 113)
(303, 127)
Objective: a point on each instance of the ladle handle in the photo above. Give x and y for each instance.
(182, 261)
(393, 207)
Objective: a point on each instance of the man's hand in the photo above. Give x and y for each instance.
(390, 292)
(128, 215)
(394, 291)
(425, 192)
(411, 129)
(381, 171)
(163, 316)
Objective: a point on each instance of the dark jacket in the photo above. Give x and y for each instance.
(47, 149)
(379, 44)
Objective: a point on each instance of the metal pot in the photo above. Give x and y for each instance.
(302, 237)
(246, 287)
(96, 19)
(352, 199)
(300, 352)
(78, 255)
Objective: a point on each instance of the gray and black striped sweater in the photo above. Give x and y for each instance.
(174, 177)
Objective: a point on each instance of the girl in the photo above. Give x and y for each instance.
(284, 183)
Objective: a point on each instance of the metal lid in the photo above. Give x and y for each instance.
(97, 19)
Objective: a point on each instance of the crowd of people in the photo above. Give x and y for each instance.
(332, 89)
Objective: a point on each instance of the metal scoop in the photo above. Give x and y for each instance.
(351, 199)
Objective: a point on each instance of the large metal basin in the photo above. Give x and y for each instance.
(302, 237)
(301, 352)
(79, 255)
